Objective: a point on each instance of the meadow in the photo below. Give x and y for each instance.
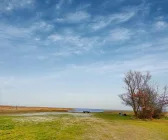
(80, 126)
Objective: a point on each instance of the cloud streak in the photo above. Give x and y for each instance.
(74, 17)
(10, 5)
(161, 25)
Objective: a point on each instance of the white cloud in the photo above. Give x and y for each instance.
(8, 31)
(126, 14)
(151, 63)
(138, 47)
(161, 25)
(36, 38)
(75, 17)
(120, 34)
(9, 5)
(159, 45)
(13, 32)
(23, 37)
(17, 39)
(60, 3)
(144, 46)
(74, 43)
(123, 17)
(55, 37)
(101, 21)
(41, 26)
(67, 53)
(83, 7)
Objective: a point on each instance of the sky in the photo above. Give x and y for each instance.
(74, 53)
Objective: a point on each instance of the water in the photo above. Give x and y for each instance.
(86, 109)
(74, 112)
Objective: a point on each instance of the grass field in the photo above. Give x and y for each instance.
(98, 126)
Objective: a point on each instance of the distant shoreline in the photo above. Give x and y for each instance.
(28, 109)
(24, 109)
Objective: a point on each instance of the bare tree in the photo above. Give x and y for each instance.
(143, 97)
(163, 99)
(135, 81)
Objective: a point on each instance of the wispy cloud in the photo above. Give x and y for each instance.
(55, 37)
(60, 3)
(120, 34)
(19, 32)
(161, 25)
(15, 36)
(151, 46)
(74, 43)
(101, 21)
(75, 17)
(83, 7)
(9, 5)
(12, 37)
(41, 26)
(145, 63)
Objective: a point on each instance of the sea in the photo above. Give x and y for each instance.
(86, 109)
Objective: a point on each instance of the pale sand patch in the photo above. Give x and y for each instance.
(67, 119)
(35, 119)
(50, 113)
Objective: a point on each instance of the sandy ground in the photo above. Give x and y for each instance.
(50, 113)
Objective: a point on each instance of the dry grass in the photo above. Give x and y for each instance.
(100, 126)
(13, 109)
(117, 111)
(101, 129)
(34, 119)
(166, 114)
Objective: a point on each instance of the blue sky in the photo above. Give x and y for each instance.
(74, 53)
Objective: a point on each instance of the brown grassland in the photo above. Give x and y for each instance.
(21, 109)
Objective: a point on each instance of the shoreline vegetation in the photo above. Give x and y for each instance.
(7, 109)
(27, 109)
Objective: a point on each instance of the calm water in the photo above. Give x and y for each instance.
(74, 112)
(86, 109)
